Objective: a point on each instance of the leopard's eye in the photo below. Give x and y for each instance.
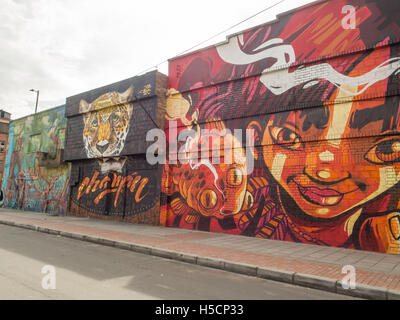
(384, 152)
(94, 123)
(115, 119)
(286, 138)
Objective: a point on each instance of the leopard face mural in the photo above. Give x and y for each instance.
(106, 123)
(324, 102)
(106, 143)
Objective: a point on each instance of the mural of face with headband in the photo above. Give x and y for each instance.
(331, 159)
(313, 157)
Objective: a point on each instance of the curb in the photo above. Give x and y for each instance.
(299, 279)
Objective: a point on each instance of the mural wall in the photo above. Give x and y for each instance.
(318, 92)
(35, 177)
(106, 143)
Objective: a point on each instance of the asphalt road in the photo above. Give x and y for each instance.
(89, 271)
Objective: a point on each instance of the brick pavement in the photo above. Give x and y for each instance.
(377, 273)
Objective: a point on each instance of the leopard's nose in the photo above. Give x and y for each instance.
(102, 146)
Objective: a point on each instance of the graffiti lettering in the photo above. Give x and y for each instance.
(133, 182)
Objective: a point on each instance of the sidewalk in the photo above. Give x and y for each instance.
(377, 275)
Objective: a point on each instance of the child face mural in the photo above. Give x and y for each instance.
(337, 174)
(323, 101)
(315, 160)
(321, 170)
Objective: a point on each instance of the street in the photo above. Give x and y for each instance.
(90, 271)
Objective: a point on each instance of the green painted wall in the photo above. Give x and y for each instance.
(33, 178)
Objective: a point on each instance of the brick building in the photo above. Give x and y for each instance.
(35, 177)
(5, 119)
(106, 145)
(307, 104)
(319, 89)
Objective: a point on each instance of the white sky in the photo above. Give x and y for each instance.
(65, 47)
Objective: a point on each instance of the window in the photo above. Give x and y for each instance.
(4, 114)
(2, 146)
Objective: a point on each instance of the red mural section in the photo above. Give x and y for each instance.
(318, 92)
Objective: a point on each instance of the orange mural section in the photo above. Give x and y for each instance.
(291, 130)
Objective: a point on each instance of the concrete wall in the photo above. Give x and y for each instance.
(35, 177)
(106, 144)
(319, 88)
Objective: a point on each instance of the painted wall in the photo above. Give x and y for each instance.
(319, 90)
(106, 144)
(35, 178)
(4, 129)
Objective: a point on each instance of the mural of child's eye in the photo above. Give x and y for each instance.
(286, 138)
(384, 152)
(234, 177)
(208, 199)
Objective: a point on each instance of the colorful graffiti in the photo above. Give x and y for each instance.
(35, 176)
(112, 121)
(106, 143)
(322, 98)
(106, 129)
(127, 194)
(116, 185)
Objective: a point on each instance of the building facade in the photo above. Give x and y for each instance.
(5, 119)
(106, 145)
(35, 177)
(318, 91)
(286, 131)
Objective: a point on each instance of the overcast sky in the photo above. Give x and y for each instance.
(65, 47)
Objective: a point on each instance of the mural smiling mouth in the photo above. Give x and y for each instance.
(322, 197)
(325, 197)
